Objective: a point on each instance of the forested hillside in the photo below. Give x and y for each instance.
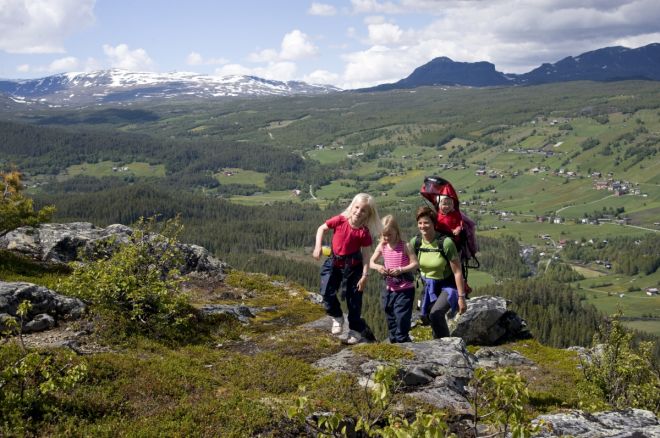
(557, 177)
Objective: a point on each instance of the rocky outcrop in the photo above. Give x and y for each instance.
(63, 243)
(488, 321)
(47, 309)
(437, 374)
(629, 423)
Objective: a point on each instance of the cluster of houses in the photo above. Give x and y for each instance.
(617, 187)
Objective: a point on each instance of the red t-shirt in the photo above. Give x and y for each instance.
(346, 239)
(447, 223)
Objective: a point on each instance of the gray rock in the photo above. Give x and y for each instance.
(488, 321)
(438, 373)
(39, 323)
(496, 357)
(64, 243)
(48, 306)
(629, 423)
(240, 312)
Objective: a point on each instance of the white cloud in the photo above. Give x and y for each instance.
(638, 40)
(233, 69)
(281, 71)
(384, 33)
(515, 36)
(266, 55)
(195, 58)
(296, 45)
(123, 57)
(375, 7)
(23, 68)
(377, 65)
(62, 65)
(41, 26)
(321, 77)
(322, 9)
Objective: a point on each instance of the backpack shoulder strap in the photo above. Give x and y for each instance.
(440, 238)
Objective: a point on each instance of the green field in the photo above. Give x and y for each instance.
(241, 176)
(110, 168)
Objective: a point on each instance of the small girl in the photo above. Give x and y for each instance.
(351, 244)
(399, 263)
(450, 220)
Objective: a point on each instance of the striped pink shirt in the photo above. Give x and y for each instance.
(396, 258)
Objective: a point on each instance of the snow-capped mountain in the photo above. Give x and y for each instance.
(123, 86)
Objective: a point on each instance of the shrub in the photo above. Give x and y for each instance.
(619, 373)
(137, 290)
(31, 382)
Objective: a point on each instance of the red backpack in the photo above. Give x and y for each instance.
(466, 244)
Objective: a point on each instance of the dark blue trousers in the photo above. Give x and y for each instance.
(332, 278)
(398, 308)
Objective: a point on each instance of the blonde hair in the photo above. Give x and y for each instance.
(390, 223)
(372, 221)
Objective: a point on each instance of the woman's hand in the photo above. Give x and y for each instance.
(462, 305)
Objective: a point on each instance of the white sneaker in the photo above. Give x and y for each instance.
(337, 324)
(353, 337)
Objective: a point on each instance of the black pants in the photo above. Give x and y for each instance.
(398, 310)
(331, 281)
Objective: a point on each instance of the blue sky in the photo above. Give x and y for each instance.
(347, 43)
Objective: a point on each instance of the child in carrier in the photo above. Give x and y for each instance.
(399, 263)
(450, 219)
(351, 245)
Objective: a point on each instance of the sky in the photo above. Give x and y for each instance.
(346, 43)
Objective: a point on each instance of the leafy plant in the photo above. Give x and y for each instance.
(31, 381)
(137, 290)
(499, 398)
(618, 372)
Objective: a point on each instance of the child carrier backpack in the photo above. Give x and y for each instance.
(466, 243)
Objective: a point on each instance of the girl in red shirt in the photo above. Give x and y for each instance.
(351, 244)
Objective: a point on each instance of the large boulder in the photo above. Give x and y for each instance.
(63, 243)
(629, 423)
(48, 307)
(488, 321)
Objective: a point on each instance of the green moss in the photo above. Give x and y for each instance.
(553, 383)
(305, 345)
(262, 284)
(421, 333)
(381, 351)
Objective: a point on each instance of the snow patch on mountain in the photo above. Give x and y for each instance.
(123, 86)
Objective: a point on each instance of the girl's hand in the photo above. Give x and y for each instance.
(462, 305)
(317, 252)
(362, 283)
(383, 271)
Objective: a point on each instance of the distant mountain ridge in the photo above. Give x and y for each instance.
(116, 85)
(607, 64)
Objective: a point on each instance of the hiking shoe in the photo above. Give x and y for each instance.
(337, 324)
(353, 337)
